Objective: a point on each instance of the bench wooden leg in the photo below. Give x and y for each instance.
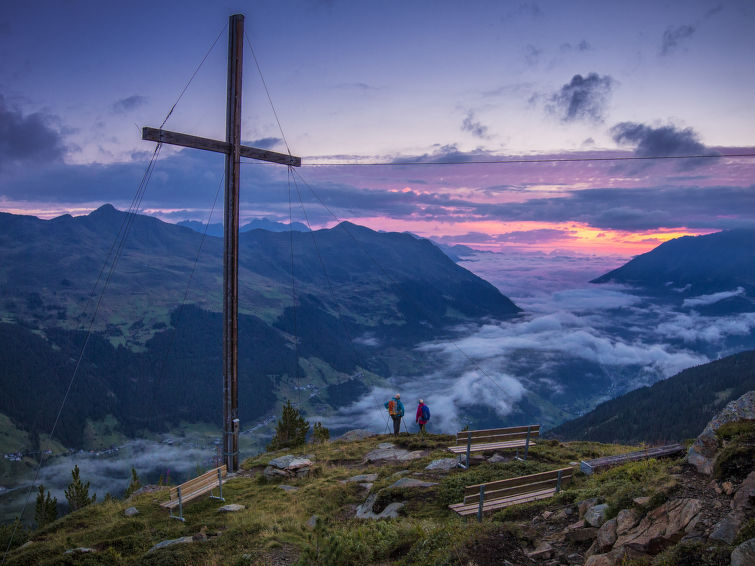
(469, 447)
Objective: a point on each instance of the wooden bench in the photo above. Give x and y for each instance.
(194, 488)
(468, 441)
(503, 493)
(591, 466)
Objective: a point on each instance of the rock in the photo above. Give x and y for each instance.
(575, 558)
(361, 478)
(286, 487)
(231, 508)
(702, 452)
(282, 462)
(582, 535)
(442, 464)
(356, 434)
(495, 458)
(741, 508)
(599, 560)
(411, 482)
(562, 514)
(298, 463)
(583, 506)
(171, 542)
(596, 515)
(387, 451)
(312, 522)
(547, 515)
(542, 552)
(662, 527)
(364, 511)
(367, 485)
(626, 519)
(606, 536)
(274, 473)
(201, 536)
(80, 550)
(131, 511)
(727, 487)
(641, 501)
(744, 554)
(576, 525)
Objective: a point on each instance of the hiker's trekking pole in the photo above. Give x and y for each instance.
(406, 429)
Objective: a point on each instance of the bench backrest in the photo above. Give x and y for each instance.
(209, 477)
(522, 484)
(497, 434)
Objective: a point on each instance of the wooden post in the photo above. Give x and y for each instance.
(231, 242)
(469, 446)
(558, 482)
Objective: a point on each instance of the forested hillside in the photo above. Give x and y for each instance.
(671, 410)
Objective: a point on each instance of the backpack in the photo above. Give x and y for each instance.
(392, 407)
(425, 413)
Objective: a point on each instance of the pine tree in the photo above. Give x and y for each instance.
(320, 433)
(77, 493)
(46, 510)
(291, 430)
(135, 483)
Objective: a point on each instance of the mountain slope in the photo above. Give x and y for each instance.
(695, 265)
(155, 356)
(671, 410)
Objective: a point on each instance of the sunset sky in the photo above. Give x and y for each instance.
(389, 103)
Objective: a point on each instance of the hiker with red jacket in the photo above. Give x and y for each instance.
(396, 411)
(423, 415)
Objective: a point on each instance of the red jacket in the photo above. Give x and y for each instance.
(419, 418)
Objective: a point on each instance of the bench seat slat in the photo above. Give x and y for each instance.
(471, 509)
(496, 431)
(490, 446)
(503, 493)
(195, 487)
(490, 438)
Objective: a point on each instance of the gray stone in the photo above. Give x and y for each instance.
(384, 445)
(543, 551)
(131, 511)
(171, 542)
(442, 464)
(390, 452)
(582, 534)
(596, 515)
(399, 474)
(741, 508)
(495, 458)
(361, 478)
(312, 521)
(297, 463)
(282, 462)
(356, 434)
(411, 482)
(600, 560)
(272, 472)
(80, 550)
(367, 485)
(662, 527)
(702, 452)
(286, 487)
(744, 554)
(364, 511)
(584, 505)
(231, 508)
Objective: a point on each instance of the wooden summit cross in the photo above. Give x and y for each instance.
(234, 151)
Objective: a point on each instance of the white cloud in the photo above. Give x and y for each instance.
(713, 298)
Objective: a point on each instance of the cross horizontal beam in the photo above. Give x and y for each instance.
(186, 140)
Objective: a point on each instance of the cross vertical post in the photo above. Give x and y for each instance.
(233, 151)
(231, 244)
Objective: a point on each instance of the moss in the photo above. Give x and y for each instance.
(734, 461)
(731, 430)
(746, 532)
(694, 554)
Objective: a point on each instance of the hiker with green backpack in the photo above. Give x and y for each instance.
(396, 411)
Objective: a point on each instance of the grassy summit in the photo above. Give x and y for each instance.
(315, 523)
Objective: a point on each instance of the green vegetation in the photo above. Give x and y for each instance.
(46, 508)
(77, 493)
(734, 460)
(669, 411)
(134, 484)
(291, 431)
(315, 524)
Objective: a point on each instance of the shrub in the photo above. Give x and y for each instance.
(134, 484)
(291, 430)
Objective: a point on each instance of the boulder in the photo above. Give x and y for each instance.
(600, 560)
(662, 527)
(582, 535)
(442, 464)
(361, 478)
(411, 482)
(596, 515)
(744, 554)
(543, 551)
(282, 462)
(171, 542)
(606, 536)
(583, 506)
(702, 452)
(131, 511)
(387, 451)
(741, 508)
(364, 511)
(231, 508)
(626, 519)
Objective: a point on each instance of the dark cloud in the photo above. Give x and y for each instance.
(449, 153)
(265, 143)
(126, 105)
(24, 138)
(674, 35)
(583, 45)
(583, 98)
(475, 127)
(662, 141)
